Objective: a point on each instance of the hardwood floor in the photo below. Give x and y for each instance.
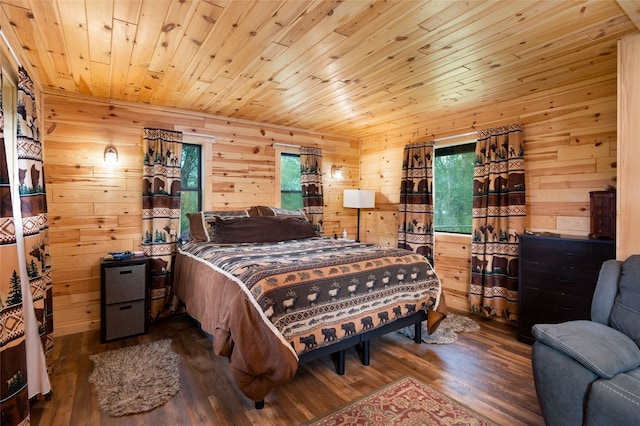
(489, 371)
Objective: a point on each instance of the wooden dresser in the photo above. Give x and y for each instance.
(557, 277)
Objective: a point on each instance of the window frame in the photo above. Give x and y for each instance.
(278, 151)
(288, 191)
(203, 178)
(450, 145)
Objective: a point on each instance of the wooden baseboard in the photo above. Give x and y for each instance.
(73, 328)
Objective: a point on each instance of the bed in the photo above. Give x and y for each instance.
(273, 294)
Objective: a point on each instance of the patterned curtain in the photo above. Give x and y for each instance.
(416, 199)
(26, 314)
(499, 217)
(161, 211)
(311, 180)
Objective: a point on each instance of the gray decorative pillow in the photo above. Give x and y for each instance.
(625, 315)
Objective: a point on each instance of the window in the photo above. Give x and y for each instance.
(191, 182)
(290, 184)
(453, 188)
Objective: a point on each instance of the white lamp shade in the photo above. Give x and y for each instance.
(359, 198)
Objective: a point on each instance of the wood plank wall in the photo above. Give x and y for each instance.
(94, 209)
(628, 237)
(570, 149)
(570, 142)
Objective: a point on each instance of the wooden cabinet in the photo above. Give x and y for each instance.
(124, 302)
(557, 277)
(603, 214)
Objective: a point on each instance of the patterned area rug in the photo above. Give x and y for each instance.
(448, 330)
(403, 402)
(136, 378)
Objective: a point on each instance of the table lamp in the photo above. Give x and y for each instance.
(359, 199)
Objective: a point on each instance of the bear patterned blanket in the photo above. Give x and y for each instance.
(267, 303)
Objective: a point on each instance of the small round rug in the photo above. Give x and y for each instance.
(136, 378)
(447, 331)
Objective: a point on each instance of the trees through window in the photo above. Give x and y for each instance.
(191, 182)
(453, 188)
(290, 184)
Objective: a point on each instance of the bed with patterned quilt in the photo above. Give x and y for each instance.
(271, 293)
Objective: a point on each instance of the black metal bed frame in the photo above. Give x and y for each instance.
(362, 343)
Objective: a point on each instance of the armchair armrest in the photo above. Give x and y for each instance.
(606, 291)
(599, 348)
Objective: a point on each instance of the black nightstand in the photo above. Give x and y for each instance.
(124, 301)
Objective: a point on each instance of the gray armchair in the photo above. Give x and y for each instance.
(587, 372)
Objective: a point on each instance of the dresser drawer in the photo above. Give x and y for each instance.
(601, 226)
(579, 254)
(557, 279)
(600, 202)
(542, 307)
(602, 230)
(123, 283)
(561, 306)
(601, 220)
(124, 319)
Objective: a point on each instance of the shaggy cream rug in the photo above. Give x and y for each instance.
(136, 378)
(448, 330)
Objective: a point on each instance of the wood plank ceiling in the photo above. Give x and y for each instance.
(354, 68)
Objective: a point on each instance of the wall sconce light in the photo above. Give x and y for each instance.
(110, 154)
(336, 172)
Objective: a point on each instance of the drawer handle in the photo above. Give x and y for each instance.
(126, 272)
(563, 281)
(124, 308)
(566, 253)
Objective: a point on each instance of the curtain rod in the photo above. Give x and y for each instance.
(286, 145)
(202, 135)
(4, 37)
(455, 136)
